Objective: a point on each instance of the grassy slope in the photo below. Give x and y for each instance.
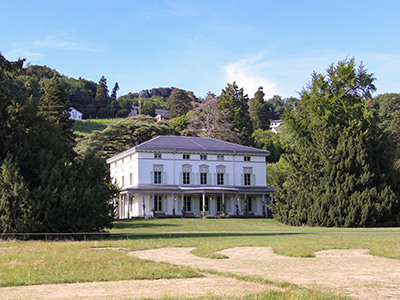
(35, 262)
(85, 127)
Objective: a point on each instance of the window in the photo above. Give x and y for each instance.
(205, 204)
(130, 179)
(157, 155)
(186, 156)
(220, 157)
(203, 157)
(220, 178)
(123, 181)
(186, 178)
(248, 205)
(187, 203)
(203, 178)
(157, 177)
(246, 158)
(219, 203)
(247, 179)
(157, 203)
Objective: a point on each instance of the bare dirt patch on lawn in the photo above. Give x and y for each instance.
(137, 289)
(352, 272)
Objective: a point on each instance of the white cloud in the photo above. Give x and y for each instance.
(247, 74)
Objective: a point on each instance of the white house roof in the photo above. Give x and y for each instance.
(196, 144)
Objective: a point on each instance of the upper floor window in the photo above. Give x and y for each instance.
(220, 178)
(186, 178)
(186, 156)
(203, 156)
(157, 174)
(220, 157)
(157, 177)
(246, 158)
(203, 178)
(247, 179)
(247, 174)
(157, 155)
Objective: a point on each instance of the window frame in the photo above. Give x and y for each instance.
(158, 203)
(247, 179)
(185, 177)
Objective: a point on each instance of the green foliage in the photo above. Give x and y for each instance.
(44, 186)
(338, 172)
(386, 106)
(179, 103)
(235, 102)
(268, 140)
(124, 135)
(102, 98)
(208, 121)
(260, 112)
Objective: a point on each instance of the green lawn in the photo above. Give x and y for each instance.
(37, 262)
(85, 127)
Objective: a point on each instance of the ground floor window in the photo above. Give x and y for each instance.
(249, 206)
(158, 203)
(187, 203)
(219, 203)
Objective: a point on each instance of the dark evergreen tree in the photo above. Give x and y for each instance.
(235, 102)
(259, 110)
(114, 91)
(338, 171)
(179, 103)
(102, 98)
(44, 185)
(54, 106)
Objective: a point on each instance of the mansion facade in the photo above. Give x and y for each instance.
(190, 176)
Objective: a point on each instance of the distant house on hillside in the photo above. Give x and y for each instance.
(275, 125)
(75, 114)
(161, 114)
(189, 176)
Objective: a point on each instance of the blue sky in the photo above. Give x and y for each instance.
(203, 45)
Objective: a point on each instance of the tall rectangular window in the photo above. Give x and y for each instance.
(123, 181)
(219, 203)
(203, 178)
(157, 203)
(249, 206)
(157, 177)
(247, 179)
(220, 178)
(187, 203)
(130, 179)
(186, 178)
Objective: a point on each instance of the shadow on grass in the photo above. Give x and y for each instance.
(134, 225)
(174, 235)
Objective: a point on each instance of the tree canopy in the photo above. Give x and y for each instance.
(44, 185)
(338, 171)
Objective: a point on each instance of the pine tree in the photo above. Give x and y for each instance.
(259, 110)
(338, 175)
(102, 99)
(235, 102)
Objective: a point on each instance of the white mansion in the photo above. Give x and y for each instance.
(188, 176)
